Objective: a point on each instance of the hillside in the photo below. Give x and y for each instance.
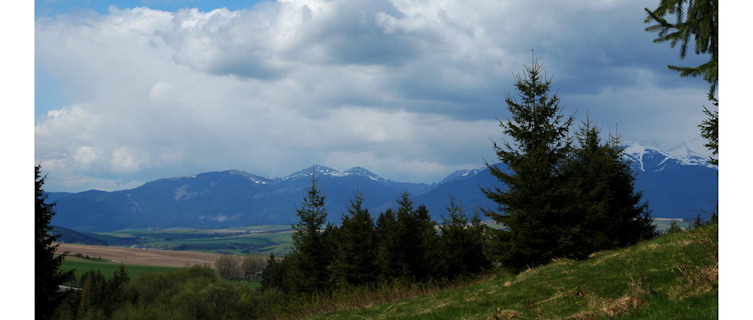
(672, 277)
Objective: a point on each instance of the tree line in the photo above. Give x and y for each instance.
(402, 244)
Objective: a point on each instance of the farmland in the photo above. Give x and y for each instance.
(147, 257)
(238, 240)
(82, 265)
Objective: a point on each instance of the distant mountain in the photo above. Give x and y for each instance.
(680, 184)
(222, 199)
(674, 186)
(677, 184)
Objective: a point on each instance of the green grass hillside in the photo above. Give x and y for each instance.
(672, 277)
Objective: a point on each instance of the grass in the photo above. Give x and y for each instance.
(672, 277)
(82, 265)
(236, 240)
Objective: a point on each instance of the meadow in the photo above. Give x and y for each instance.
(671, 277)
(82, 265)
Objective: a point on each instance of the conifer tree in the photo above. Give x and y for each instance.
(407, 230)
(696, 20)
(462, 242)
(274, 274)
(455, 240)
(356, 258)
(388, 245)
(426, 263)
(475, 258)
(47, 276)
(533, 207)
(605, 209)
(311, 255)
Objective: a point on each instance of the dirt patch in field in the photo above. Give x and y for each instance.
(622, 305)
(147, 257)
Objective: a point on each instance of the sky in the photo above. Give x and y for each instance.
(131, 91)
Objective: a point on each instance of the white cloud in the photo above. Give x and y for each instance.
(409, 89)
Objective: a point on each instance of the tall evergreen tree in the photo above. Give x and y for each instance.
(426, 263)
(311, 255)
(273, 276)
(696, 20)
(607, 211)
(356, 258)
(533, 208)
(461, 242)
(47, 276)
(388, 245)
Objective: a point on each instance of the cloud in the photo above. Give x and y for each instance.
(408, 89)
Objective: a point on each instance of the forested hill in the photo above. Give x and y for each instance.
(674, 186)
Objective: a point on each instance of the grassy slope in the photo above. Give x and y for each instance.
(673, 277)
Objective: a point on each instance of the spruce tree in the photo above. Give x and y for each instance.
(605, 209)
(533, 206)
(426, 264)
(47, 276)
(696, 20)
(407, 231)
(311, 255)
(417, 252)
(356, 258)
(455, 240)
(388, 245)
(274, 274)
(462, 242)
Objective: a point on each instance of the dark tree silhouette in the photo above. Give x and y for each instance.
(533, 209)
(47, 276)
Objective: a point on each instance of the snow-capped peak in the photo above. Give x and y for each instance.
(359, 171)
(319, 170)
(648, 158)
(460, 174)
(692, 153)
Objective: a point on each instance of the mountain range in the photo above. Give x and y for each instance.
(675, 185)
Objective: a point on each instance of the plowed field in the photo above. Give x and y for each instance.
(147, 257)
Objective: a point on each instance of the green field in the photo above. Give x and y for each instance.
(81, 266)
(672, 277)
(237, 240)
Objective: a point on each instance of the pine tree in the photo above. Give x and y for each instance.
(534, 205)
(476, 260)
(606, 212)
(47, 275)
(415, 238)
(697, 20)
(694, 19)
(462, 242)
(274, 274)
(710, 131)
(356, 258)
(388, 245)
(454, 240)
(426, 263)
(311, 255)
